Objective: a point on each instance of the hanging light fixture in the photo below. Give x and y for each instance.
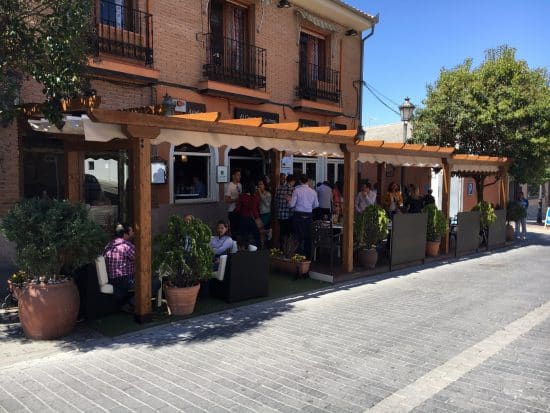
(284, 4)
(183, 158)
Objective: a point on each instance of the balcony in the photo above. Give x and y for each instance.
(124, 32)
(317, 82)
(234, 62)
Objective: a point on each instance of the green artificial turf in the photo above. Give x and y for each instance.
(280, 285)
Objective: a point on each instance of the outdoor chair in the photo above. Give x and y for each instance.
(323, 236)
(96, 294)
(246, 276)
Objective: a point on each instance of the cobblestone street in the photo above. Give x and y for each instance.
(471, 335)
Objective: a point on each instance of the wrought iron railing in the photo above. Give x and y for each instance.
(235, 62)
(124, 31)
(318, 82)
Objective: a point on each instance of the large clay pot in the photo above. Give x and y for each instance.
(181, 301)
(368, 258)
(432, 248)
(48, 311)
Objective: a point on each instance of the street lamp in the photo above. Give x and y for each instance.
(406, 110)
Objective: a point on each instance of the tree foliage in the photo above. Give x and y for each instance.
(500, 108)
(46, 40)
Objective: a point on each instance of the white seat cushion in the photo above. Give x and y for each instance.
(252, 248)
(106, 289)
(101, 270)
(234, 247)
(219, 275)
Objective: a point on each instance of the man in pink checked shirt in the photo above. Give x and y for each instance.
(120, 259)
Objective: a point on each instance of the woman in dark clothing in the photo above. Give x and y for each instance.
(415, 202)
(248, 210)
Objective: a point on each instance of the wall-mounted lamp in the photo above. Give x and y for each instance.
(351, 32)
(284, 4)
(183, 158)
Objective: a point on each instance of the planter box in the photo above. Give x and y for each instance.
(298, 269)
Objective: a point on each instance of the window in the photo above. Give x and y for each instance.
(312, 56)
(229, 27)
(91, 165)
(192, 174)
(117, 13)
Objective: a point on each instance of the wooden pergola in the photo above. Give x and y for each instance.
(141, 130)
(137, 132)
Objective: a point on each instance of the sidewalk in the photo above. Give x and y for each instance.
(17, 348)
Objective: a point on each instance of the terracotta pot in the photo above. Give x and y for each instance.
(292, 267)
(510, 232)
(368, 258)
(432, 248)
(181, 301)
(48, 311)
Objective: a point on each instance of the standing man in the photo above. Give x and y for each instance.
(232, 192)
(524, 203)
(324, 194)
(364, 198)
(304, 200)
(282, 195)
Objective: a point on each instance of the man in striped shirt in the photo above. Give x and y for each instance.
(284, 213)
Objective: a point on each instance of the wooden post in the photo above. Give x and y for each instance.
(276, 231)
(140, 142)
(380, 178)
(74, 173)
(446, 199)
(503, 191)
(349, 209)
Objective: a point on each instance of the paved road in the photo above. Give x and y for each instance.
(473, 335)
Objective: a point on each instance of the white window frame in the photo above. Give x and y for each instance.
(212, 186)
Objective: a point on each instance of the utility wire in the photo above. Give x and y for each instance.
(381, 94)
(380, 100)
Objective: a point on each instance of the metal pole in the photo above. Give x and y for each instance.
(404, 132)
(539, 213)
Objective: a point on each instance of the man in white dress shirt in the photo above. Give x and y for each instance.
(304, 200)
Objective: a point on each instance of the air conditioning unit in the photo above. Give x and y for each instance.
(180, 105)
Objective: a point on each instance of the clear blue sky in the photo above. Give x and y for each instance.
(415, 39)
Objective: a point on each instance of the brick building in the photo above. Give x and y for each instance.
(241, 58)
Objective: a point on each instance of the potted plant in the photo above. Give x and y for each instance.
(184, 255)
(514, 213)
(287, 260)
(369, 229)
(487, 216)
(52, 239)
(435, 230)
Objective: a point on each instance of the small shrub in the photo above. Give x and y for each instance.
(437, 223)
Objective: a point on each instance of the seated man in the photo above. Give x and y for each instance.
(120, 262)
(221, 243)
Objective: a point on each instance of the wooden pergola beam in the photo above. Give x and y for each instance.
(350, 178)
(140, 141)
(162, 122)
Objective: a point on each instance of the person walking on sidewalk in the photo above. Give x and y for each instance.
(524, 203)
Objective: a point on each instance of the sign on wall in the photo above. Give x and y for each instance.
(267, 117)
(470, 189)
(287, 164)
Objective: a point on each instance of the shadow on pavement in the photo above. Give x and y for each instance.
(224, 324)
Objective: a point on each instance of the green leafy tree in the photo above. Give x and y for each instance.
(46, 40)
(500, 108)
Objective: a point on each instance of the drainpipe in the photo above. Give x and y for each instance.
(360, 132)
